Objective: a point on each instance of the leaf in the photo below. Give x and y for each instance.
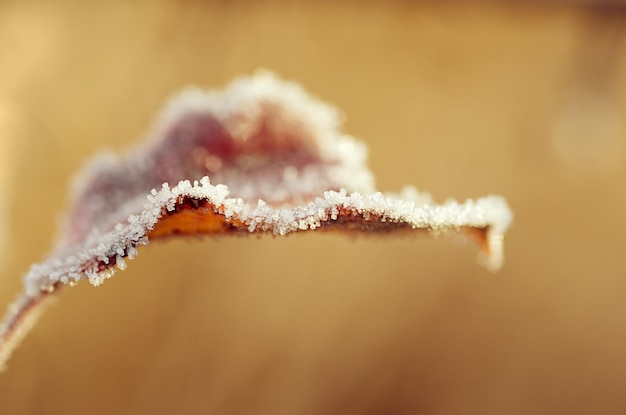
(277, 163)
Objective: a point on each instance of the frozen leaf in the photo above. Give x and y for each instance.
(277, 164)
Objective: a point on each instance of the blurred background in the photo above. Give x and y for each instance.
(523, 99)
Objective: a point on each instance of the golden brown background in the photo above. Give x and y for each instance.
(461, 99)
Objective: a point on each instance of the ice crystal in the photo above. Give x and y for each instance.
(261, 156)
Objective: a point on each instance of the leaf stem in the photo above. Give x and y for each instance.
(18, 321)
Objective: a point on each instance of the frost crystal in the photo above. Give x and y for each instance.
(277, 163)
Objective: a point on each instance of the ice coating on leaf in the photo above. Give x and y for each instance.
(207, 209)
(261, 156)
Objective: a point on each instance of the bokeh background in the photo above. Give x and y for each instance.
(462, 99)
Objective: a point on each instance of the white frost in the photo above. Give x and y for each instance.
(491, 212)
